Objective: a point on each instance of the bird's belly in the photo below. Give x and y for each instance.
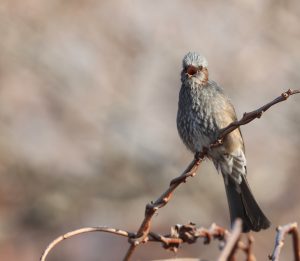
(201, 137)
(197, 132)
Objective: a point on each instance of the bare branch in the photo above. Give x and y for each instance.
(250, 116)
(82, 231)
(189, 233)
(292, 229)
(190, 171)
(153, 207)
(248, 249)
(232, 244)
(179, 234)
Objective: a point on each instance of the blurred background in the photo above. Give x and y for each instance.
(88, 103)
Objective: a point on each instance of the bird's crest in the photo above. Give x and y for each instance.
(195, 59)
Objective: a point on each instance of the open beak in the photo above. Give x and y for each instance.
(191, 70)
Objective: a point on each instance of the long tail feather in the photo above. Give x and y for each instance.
(242, 204)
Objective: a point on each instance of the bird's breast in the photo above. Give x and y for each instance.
(196, 120)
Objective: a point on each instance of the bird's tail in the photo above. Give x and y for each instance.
(242, 204)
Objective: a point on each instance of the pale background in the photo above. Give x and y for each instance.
(88, 102)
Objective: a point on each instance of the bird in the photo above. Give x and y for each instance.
(203, 111)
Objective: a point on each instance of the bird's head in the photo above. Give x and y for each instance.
(194, 68)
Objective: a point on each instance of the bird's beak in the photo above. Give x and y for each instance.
(191, 71)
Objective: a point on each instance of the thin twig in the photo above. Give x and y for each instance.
(189, 234)
(179, 234)
(82, 231)
(250, 116)
(248, 249)
(232, 244)
(152, 208)
(292, 229)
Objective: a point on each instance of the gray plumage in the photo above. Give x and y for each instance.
(203, 110)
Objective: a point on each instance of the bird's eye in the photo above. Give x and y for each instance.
(191, 70)
(200, 68)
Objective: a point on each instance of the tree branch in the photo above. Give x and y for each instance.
(292, 229)
(179, 234)
(250, 116)
(153, 207)
(189, 233)
(232, 244)
(248, 249)
(190, 171)
(82, 231)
